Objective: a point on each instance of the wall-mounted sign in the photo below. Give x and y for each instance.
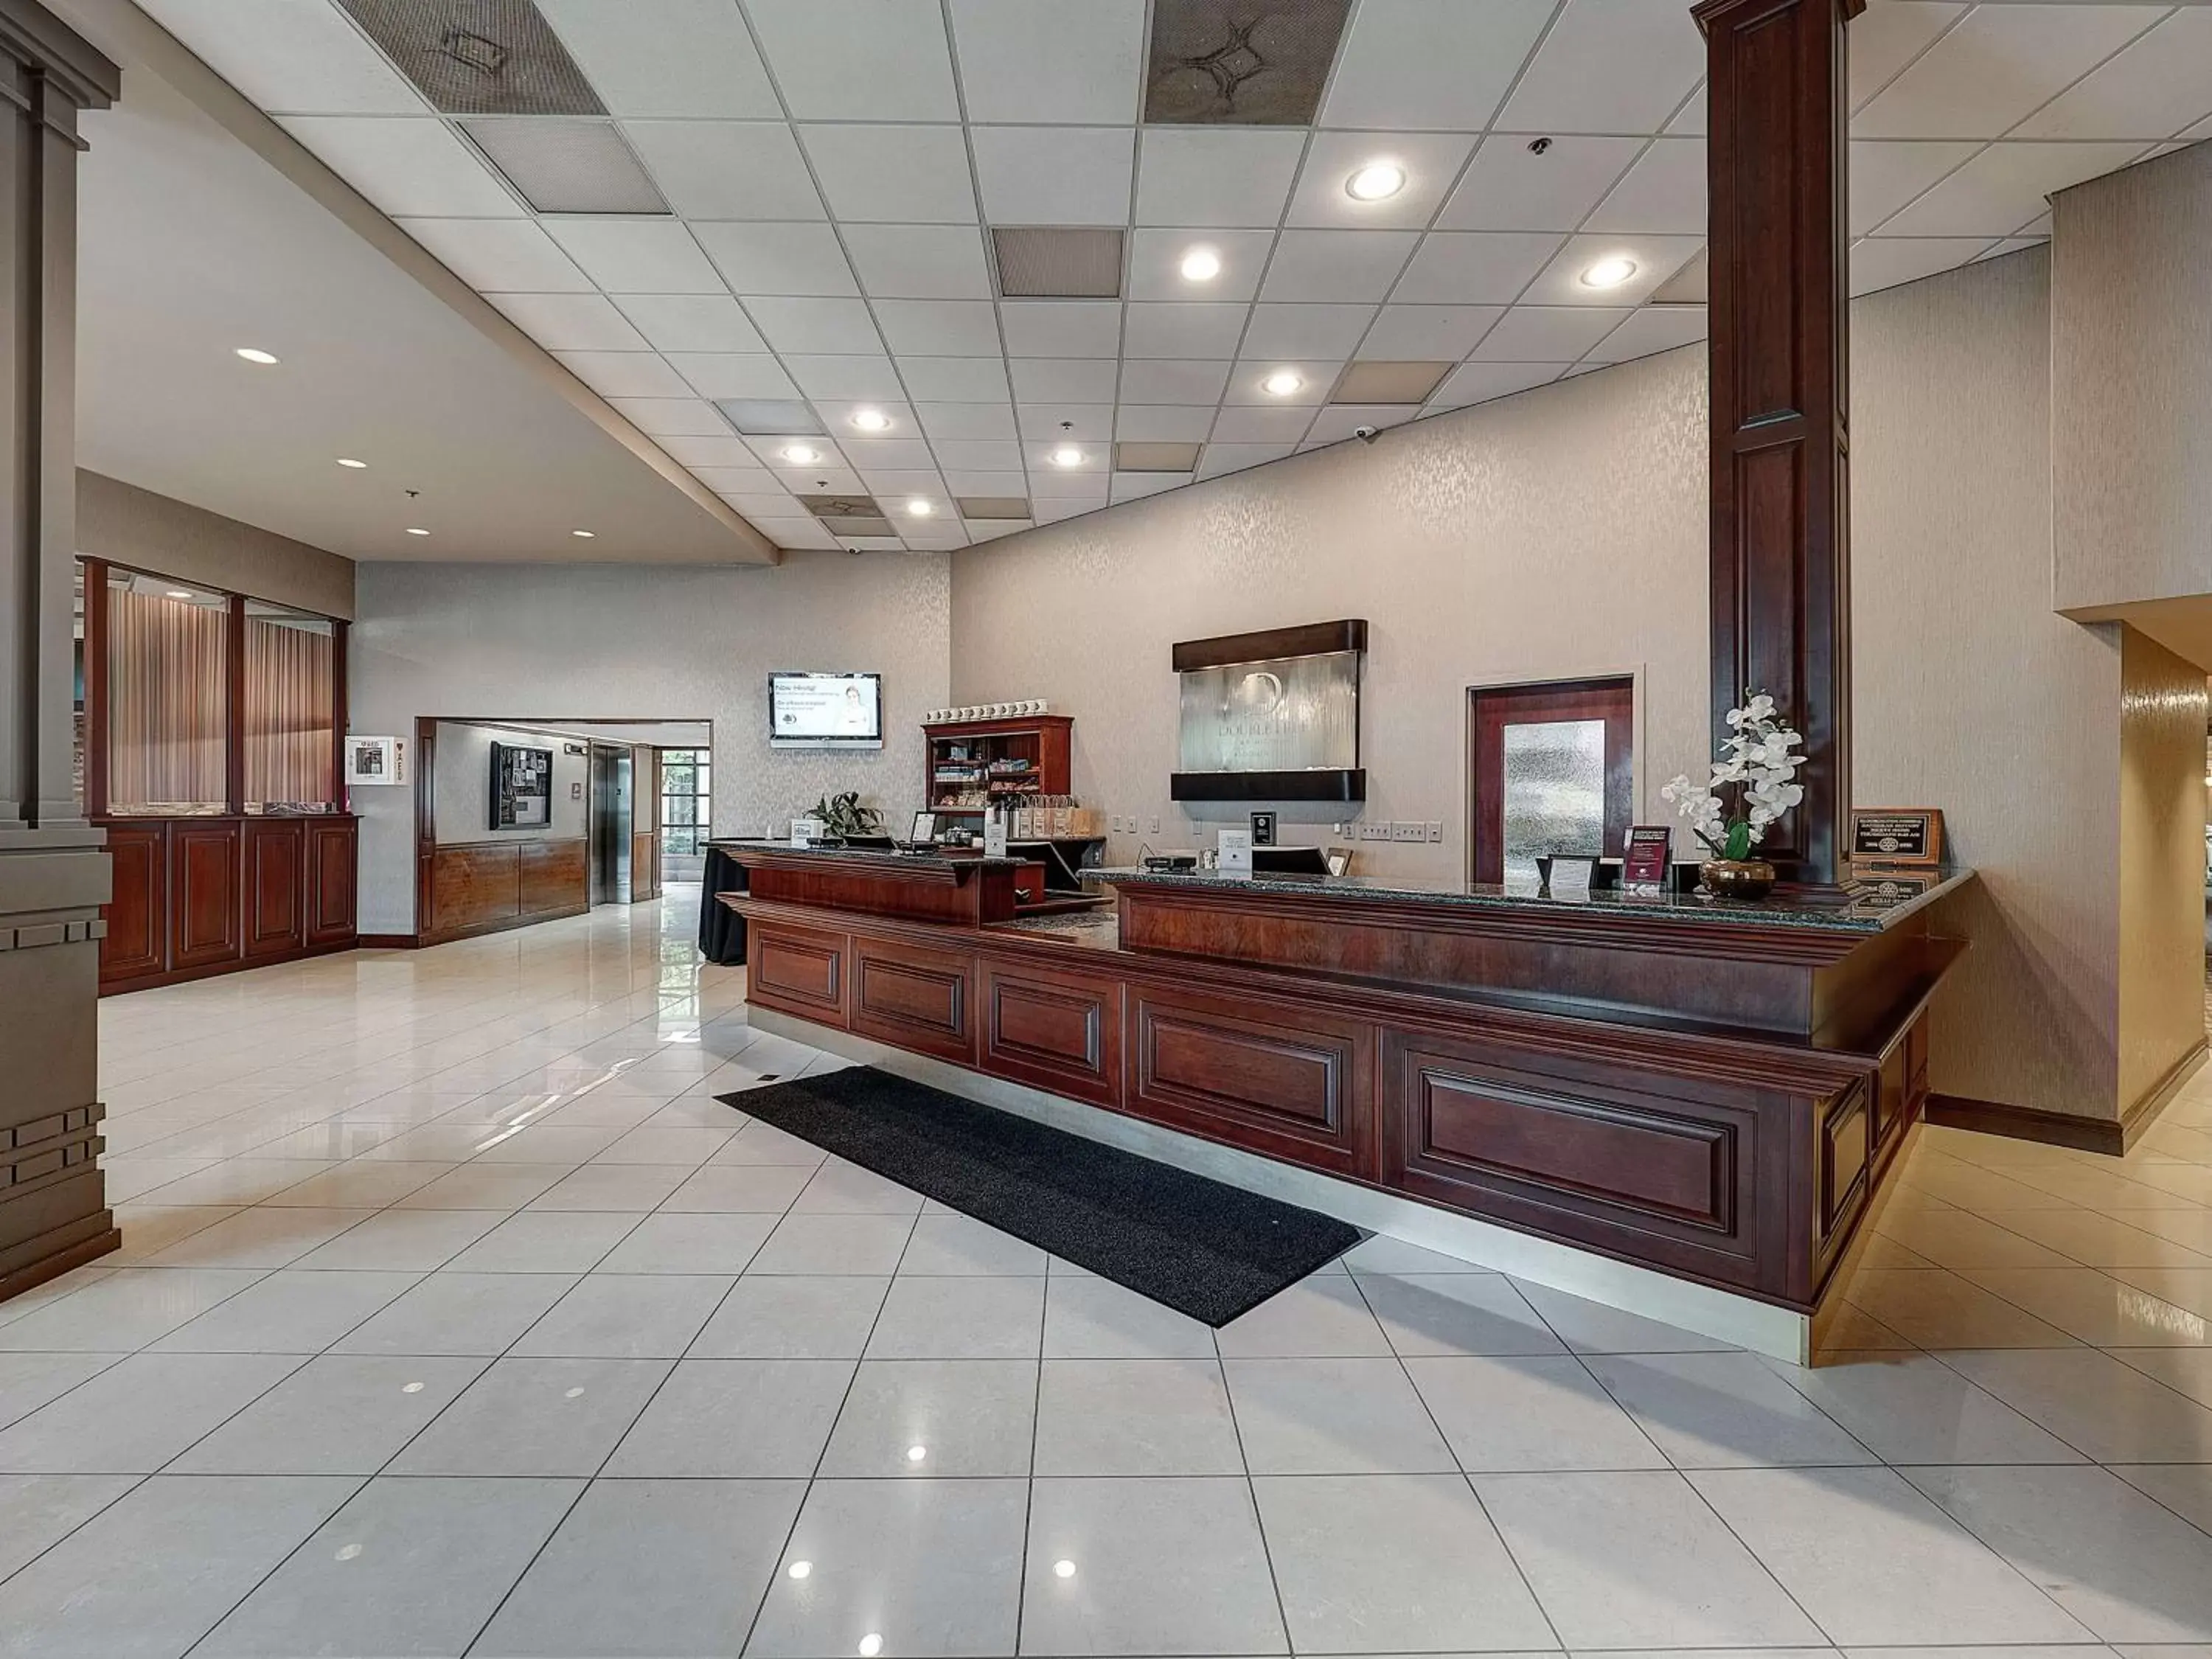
(374, 760)
(1897, 834)
(521, 787)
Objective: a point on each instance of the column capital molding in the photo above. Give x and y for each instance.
(34, 39)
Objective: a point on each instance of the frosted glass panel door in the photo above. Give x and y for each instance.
(1554, 790)
(1553, 768)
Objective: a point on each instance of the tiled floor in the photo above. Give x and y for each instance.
(456, 1317)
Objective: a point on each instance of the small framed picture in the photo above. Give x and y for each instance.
(1897, 834)
(373, 761)
(924, 829)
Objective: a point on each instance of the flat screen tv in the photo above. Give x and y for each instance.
(816, 711)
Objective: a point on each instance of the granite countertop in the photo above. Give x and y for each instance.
(926, 861)
(1866, 906)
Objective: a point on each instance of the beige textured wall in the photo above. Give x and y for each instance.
(2161, 848)
(134, 526)
(2131, 339)
(1563, 533)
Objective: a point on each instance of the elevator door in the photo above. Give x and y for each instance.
(613, 808)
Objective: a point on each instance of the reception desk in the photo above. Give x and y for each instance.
(1709, 1090)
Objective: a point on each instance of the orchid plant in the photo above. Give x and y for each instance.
(1752, 785)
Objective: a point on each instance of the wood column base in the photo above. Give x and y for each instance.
(56, 1252)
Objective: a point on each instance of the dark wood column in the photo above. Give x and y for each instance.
(1778, 248)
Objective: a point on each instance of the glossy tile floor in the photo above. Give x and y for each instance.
(456, 1317)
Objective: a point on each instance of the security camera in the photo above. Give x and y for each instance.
(1365, 434)
(855, 551)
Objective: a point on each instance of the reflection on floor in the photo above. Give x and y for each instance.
(455, 1316)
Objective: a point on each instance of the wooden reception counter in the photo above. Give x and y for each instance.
(1709, 1090)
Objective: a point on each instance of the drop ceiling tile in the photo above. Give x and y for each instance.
(1216, 176)
(672, 417)
(955, 379)
(570, 322)
(1087, 480)
(2159, 84)
(876, 60)
(1337, 264)
(499, 256)
(867, 375)
(1478, 383)
(1548, 334)
(906, 454)
(824, 326)
(1317, 330)
(2010, 245)
(1053, 511)
(874, 174)
(974, 455)
(919, 262)
(883, 482)
(1609, 66)
(1649, 329)
(990, 529)
(1664, 192)
(1888, 36)
(1156, 259)
(778, 257)
(637, 256)
(1247, 425)
(775, 453)
(1427, 333)
(774, 504)
(406, 167)
(682, 58)
(725, 481)
(1997, 66)
(1014, 483)
(942, 535)
(827, 479)
(727, 169)
(1656, 258)
(692, 322)
(1062, 422)
(1164, 423)
(1474, 266)
(940, 328)
(285, 55)
(839, 414)
(1689, 121)
(1217, 459)
(725, 450)
(1315, 381)
(714, 374)
(1061, 328)
(800, 533)
(1430, 162)
(1135, 486)
(1050, 61)
(1055, 175)
(1063, 379)
(1198, 330)
(1431, 64)
(956, 420)
(1172, 380)
(1881, 262)
(1888, 173)
(2005, 186)
(625, 374)
(1510, 187)
(1341, 421)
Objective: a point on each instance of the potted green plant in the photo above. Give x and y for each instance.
(842, 816)
(1752, 784)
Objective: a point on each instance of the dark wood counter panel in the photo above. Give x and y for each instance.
(1645, 1094)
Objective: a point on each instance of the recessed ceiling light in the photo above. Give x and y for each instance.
(1065, 455)
(1376, 182)
(1063, 1569)
(916, 1454)
(412, 531)
(1282, 383)
(348, 460)
(178, 594)
(871, 1645)
(919, 508)
(256, 355)
(1609, 273)
(587, 534)
(872, 420)
(801, 454)
(800, 1568)
(1200, 264)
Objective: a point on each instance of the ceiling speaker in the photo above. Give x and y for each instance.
(1041, 263)
(479, 57)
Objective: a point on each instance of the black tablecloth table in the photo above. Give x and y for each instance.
(721, 930)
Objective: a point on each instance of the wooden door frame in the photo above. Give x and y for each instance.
(1634, 673)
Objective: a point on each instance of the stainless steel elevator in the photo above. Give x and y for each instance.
(614, 811)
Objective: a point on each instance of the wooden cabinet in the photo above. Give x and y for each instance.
(1052, 1030)
(137, 915)
(918, 999)
(798, 971)
(333, 848)
(205, 927)
(275, 888)
(1007, 760)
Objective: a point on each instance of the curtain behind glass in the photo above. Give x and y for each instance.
(288, 715)
(166, 676)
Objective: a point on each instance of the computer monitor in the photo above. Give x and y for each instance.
(1289, 861)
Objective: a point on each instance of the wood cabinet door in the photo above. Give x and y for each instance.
(204, 913)
(333, 847)
(914, 998)
(275, 889)
(138, 913)
(1284, 1082)
(1052, 1031)
(797, 971)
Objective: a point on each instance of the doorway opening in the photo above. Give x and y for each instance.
(1551, 770)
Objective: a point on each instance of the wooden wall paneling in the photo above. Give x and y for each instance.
(918, 999)
(274, 886)
(1776, 157)
(332, 869)
(204, 912)
(799, 970)
(137, 913)
(474, 887)
(553, 878)
(1060, 1031)
(644, 867)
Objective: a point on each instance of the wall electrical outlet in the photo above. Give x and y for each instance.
(1155, 823)
(1407, 831)
(1373, 830)
(1435, 830)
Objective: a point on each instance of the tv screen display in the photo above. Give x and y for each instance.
(814, 709)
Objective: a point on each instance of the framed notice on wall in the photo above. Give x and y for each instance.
(373, 760)
(521, 787)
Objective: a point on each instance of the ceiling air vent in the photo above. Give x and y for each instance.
(993, 506)
(1036, 264)
(479, 57)
(1155, 457)
(771, 418)
(562, 166)
(1389, 383)
(849, 515)
(1249, 63)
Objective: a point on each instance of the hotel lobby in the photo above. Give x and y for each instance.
(1106, 827)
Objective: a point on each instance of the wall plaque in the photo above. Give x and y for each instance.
(1897, 834)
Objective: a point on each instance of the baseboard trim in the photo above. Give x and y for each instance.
(2111, 1136)
(237, 964)
(390, 942)
(501, 924)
